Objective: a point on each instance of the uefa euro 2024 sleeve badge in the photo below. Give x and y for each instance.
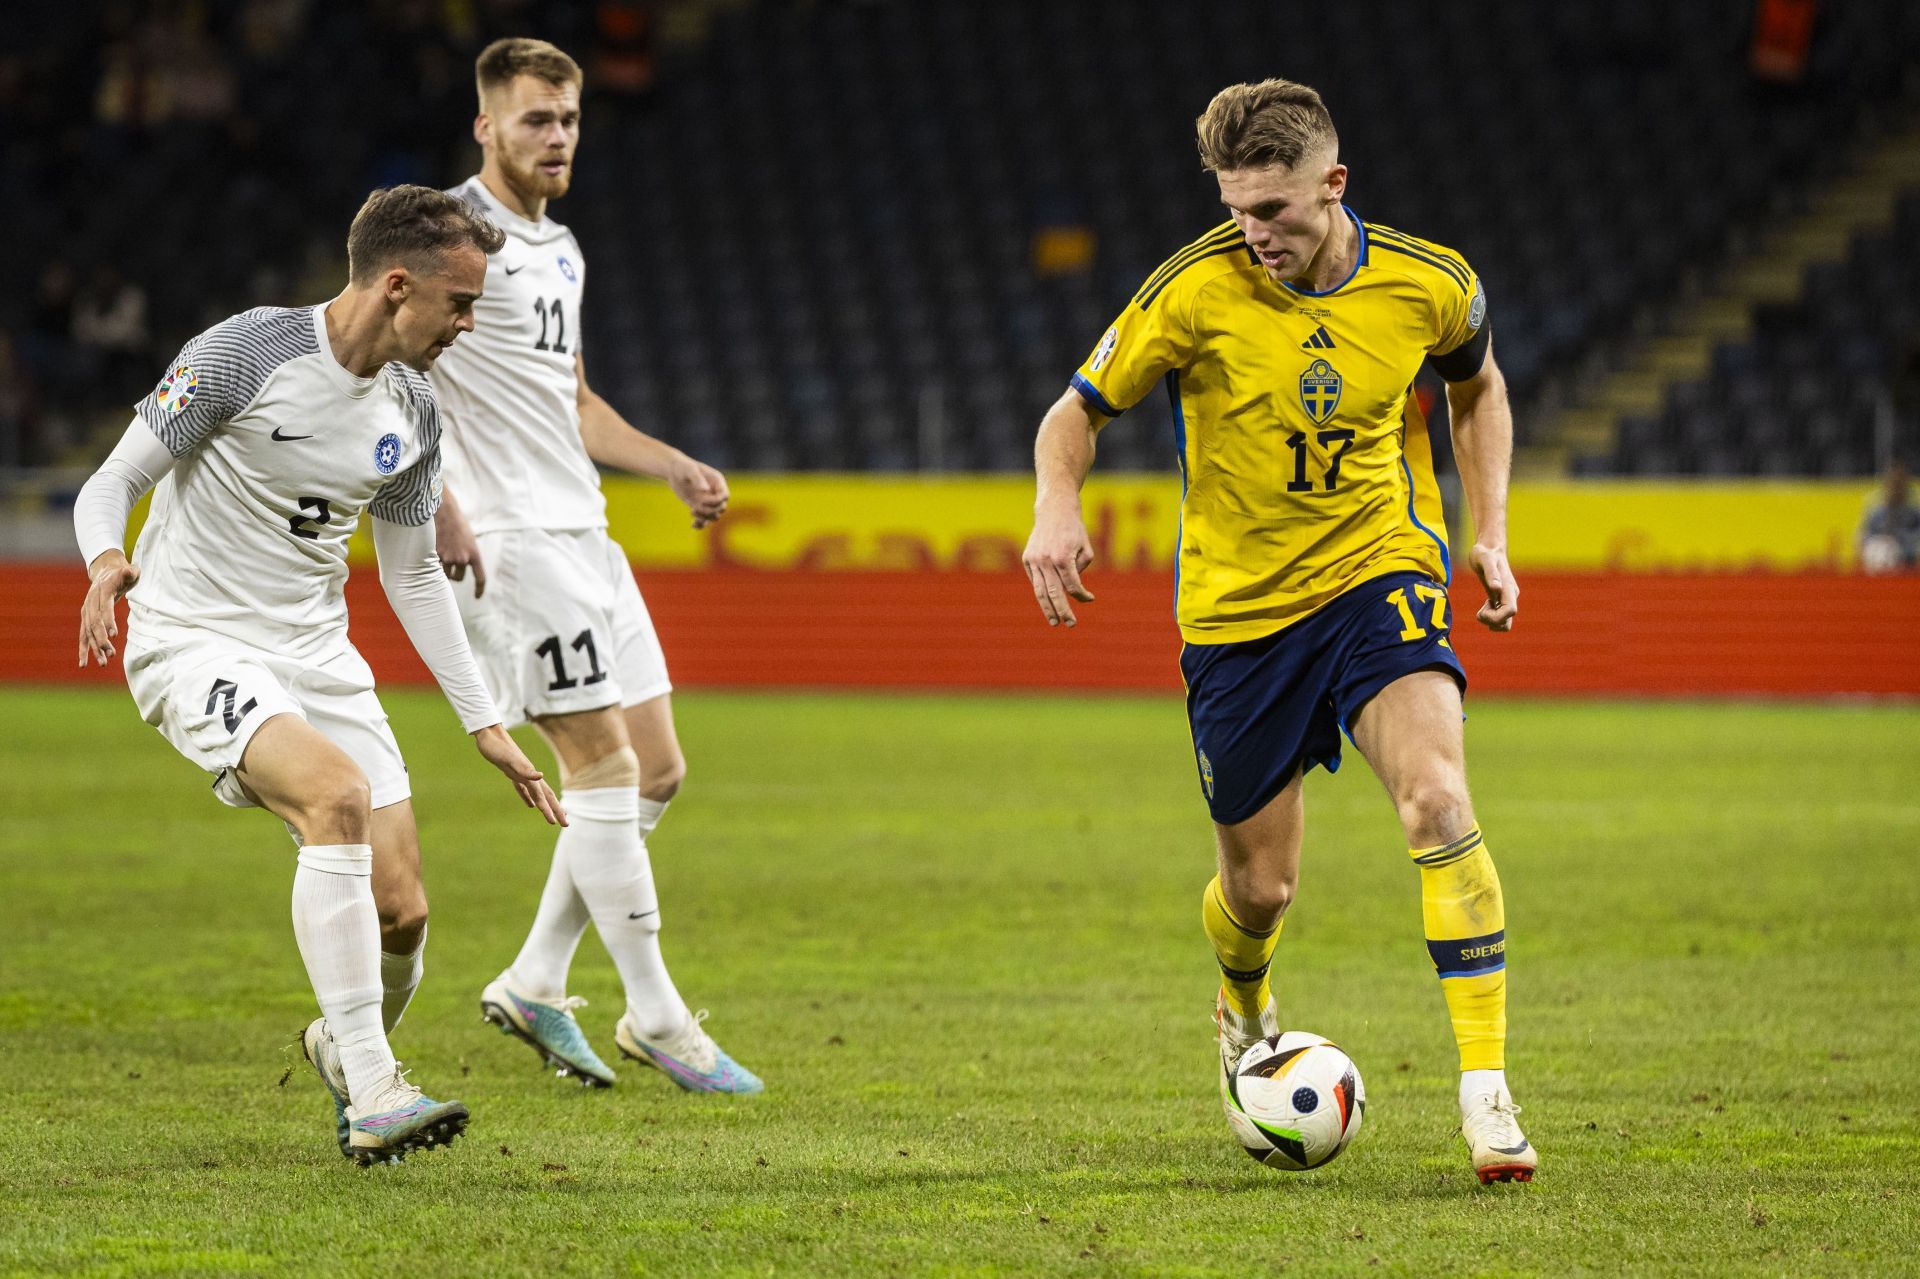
(1320, 390)
(176, 389)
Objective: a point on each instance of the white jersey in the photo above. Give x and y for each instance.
(509, 389)
(280, 449)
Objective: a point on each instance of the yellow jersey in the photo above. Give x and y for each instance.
(1304, 457)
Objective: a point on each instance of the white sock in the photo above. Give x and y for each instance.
(1478, 1083)
(338, 930)
(400, 977)
(607, 857)
(539, 971)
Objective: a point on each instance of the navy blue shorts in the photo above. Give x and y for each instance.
(1262, 710)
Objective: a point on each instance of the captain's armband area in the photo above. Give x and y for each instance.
(1464, 361)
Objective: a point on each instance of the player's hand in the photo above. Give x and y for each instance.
(702, 488)
(458, 548)
(113, 577)
(1503, 592)
(505, 754)
(1057, 553)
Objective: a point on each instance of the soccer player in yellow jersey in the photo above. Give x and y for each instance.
(1312, 563)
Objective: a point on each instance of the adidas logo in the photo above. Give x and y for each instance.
(1320, 341)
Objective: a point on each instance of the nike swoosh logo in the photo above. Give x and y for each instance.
(1520, 1149)
(512, 269)
(284, 439)
(643, 914)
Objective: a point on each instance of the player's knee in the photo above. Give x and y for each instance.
(618, 768)
(340, 810)
(1266, 902)
(660, 779)
(1435, 812)
(403, 923)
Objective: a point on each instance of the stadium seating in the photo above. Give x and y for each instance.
(1807, 394)
(812, 247)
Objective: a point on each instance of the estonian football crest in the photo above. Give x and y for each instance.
(1320, 390)
(176, 389)
(566, 269)
(386, 454)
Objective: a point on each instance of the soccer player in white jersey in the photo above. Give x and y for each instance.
(552, 610)
(267, 438)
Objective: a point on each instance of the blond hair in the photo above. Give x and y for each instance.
(414, 227)
(502, 60)
(1250, 126)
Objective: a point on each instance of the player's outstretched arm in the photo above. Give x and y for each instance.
(422, 600)
(1059, 549)
(1483, 446)
(100, 514)
(611, 440)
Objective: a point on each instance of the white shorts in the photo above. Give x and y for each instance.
(562, 627)
(208, 695)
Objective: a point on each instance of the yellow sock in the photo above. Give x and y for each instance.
(1244, 953)
(1466, 926)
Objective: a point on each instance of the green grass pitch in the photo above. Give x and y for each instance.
(959, 937)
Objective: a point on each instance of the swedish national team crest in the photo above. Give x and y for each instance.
(386, 454)
(177, 388)
(1206, 774)
(1320, 390)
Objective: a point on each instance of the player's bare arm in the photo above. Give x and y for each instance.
(456, 546)
(498, 748)
(1483, 446)
(112, 576)
(1059, 549)
(611, 440)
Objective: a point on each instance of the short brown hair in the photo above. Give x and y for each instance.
(1250, 126)
(414, 227)
(502, 60)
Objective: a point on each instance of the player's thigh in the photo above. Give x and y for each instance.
(338, 697)
(1261, 718)
(1260, 857)
(1410, 733)
(399, 891)
(583, 738)
(300, 776)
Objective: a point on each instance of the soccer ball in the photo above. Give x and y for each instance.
(1295, 1101)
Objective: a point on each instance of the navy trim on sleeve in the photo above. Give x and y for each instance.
(1091, 394)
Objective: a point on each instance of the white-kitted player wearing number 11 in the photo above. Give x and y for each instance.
(267, 438)
(549, 600)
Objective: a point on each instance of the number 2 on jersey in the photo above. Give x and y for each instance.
(554, 309)
(313, 510)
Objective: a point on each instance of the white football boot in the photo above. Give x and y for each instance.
(689, 1057)
(1233, 1035)
(400, 1119)
(1501, 1152)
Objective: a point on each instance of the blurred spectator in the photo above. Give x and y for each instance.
(110, 325)
(1890, 535)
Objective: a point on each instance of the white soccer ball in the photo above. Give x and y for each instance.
(1295, 1101)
